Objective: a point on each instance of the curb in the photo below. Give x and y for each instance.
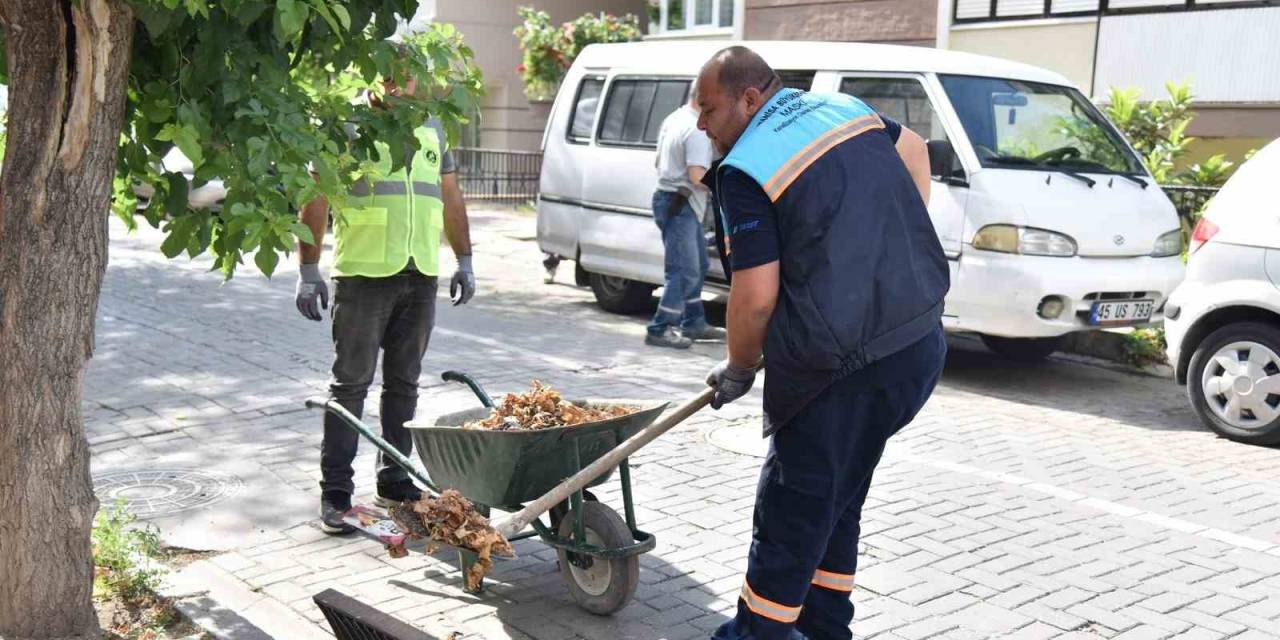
(225, 607)
(1106, 344)
(1109, 345)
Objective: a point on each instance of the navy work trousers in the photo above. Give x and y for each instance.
(804, 548)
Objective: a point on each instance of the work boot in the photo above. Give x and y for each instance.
(333, 504)
(705, 333)
(403, 491)
(669, 339)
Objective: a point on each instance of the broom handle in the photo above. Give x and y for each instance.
(518, 521)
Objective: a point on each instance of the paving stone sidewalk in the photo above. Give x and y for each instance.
(1063, 500)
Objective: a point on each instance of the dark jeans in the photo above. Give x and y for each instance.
(685, 262)
(394, 314)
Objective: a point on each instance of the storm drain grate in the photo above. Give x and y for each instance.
(161, 492)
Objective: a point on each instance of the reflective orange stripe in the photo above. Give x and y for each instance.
(801, 161)
(833, 581)
(768, 608)
(814, 144)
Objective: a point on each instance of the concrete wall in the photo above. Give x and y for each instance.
(1065, 46)
(508, 120)
(887, 21)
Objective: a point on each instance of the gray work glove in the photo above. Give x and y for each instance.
(311, 286)
(463, 284)
(730, 383)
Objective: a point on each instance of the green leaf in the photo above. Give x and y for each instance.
(343, 16)
(255, 229)
(176, 202)
(303, 233)
(198, 7)
(249, 12)
(176, 241)
(266, 259)
(291, 16)
(156, 20)
(187, 139)
(322, 8)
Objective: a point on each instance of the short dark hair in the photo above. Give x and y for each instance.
(741, 68)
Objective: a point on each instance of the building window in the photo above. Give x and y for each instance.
(992, 10)
(668, 16)
(675, 15)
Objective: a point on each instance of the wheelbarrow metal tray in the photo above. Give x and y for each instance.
(509, 468)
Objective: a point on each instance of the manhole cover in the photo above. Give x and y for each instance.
(741, 438)
(148, 494)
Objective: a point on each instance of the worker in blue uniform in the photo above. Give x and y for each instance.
(837, 285)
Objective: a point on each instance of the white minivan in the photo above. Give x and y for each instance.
(1047, 216)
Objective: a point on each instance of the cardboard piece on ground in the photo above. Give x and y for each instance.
(376, 524)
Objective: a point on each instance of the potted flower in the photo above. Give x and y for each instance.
(548, 50)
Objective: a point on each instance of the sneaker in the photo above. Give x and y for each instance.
(705, 333)
(333, 504)
(404, 491)
(669, 339)
(550, 265)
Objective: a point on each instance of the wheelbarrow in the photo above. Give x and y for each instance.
(550, 469)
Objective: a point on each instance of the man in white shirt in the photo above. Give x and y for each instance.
(679, 203)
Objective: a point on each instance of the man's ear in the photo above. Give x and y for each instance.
(754, 100)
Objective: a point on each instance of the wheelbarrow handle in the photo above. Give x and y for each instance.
(458, 376)
(517, 522)
(355, 424)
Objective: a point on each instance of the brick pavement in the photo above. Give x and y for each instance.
(1063, 500)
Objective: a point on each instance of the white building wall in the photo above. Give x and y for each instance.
(1229, 55)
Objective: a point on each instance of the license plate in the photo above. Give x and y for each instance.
(1127, 312)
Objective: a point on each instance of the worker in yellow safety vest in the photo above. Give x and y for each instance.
(385, 268)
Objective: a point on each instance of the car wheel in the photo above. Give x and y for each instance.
(1022, 349)
(620, 295)
(1233, 382)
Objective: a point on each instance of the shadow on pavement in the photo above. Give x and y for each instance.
(528, 594)
(1061, 385)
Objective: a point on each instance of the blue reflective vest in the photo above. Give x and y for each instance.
(863, 275)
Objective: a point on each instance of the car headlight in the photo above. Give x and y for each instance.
(1007, 238)
(1168, 244)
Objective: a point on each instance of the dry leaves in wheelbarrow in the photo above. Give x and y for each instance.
(542, 408)
(451, 519)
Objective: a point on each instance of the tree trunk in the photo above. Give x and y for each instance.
(68, 66)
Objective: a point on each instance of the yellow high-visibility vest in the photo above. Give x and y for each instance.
(395, 217)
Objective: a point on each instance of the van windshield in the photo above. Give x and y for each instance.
(1015, 124)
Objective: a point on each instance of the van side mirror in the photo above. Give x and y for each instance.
(942, 162)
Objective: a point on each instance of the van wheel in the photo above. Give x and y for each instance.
(620, 295)
(1028, 350)
(1233, 382)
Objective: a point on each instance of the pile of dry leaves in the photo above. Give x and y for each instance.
(542, 408)
(451, 519)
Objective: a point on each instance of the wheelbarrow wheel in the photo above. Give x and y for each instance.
(600, 586)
